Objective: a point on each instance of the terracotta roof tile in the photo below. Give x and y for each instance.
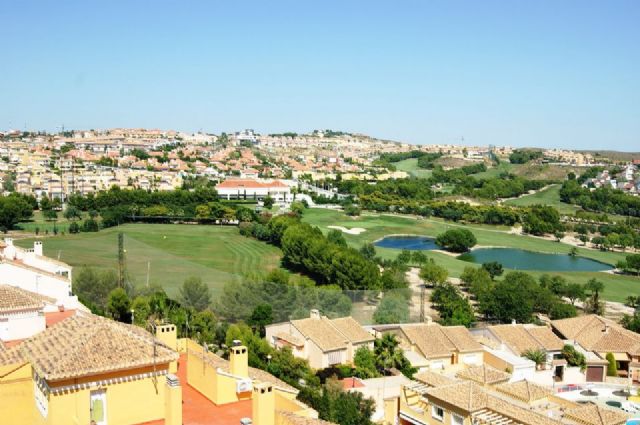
(438, 341)
(87, 345)
(595, 415)
(350, 328)
(520, 338)
(13, 298)
(596, 333)
(321, 332)
(483, 374)
(525, 391)
(433, 379)
(467, 396)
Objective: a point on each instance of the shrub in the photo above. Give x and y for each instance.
(612, 367)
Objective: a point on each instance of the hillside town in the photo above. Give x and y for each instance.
(84, 162)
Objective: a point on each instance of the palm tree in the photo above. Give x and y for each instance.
(595, 305)
(539, 357)
(387, 353)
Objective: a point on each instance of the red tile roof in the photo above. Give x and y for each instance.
(248, 183)
(57, 316)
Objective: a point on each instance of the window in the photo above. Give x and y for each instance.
(437, 412)
(457, 420)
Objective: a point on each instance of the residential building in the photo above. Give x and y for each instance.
(30, 270)
(434, 399)
(322, 341)
(431, 346)
(595, 337)
(21, 313)
(254, 189)
(88, 368)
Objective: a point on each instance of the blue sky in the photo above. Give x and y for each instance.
(526, 73)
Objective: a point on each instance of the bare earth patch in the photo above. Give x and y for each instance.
(352, 231)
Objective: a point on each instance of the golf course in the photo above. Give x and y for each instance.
(168, 252)
(617, 287)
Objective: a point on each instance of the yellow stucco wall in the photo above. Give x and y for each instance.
(126, 402)
(16, 395)
(135, 401)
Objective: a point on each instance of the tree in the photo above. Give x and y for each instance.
(561, 310)
(72, 213)
(494, 268)
(389, 355)
(539, 357)
(268, 202)
(513, 298)
(454, 309)
(612, 367)
(575, 292)
(368, 251)
(50, 215)
(365, 363)
(195, 294)
(261, 316)
(119, 305)
(93, 287)
(393, 308)
(13, 209)
(456, 240)
(418, 257)
(633, 262)
(336, 237)
(203, 212)
(404, 257)
(594, 304)
(433, 273)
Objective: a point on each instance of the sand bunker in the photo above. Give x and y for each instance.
(352, 231)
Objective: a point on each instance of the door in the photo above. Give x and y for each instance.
(595, 373)
(98, 406)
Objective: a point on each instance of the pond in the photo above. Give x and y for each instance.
(519, 259)
(416, 243)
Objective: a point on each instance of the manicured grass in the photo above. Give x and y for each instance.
(617, 288)
(38, 221)
(549, 196)
(411, 166)
(217, 254)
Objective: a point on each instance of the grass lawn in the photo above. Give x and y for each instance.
(549, 196)
(217, 254)
(617, 288)
(44, 225)
(411, 166)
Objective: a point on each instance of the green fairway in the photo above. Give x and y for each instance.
(38, 221)
(411, 166)
(171, 252)
(617, 288)
(549, 196)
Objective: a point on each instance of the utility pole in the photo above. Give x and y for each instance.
(121, 260)
(422, 295)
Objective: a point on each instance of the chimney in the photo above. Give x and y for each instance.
(37, 248)
(239, 360)
(173, 401)
(263, 404)
(513, 322)
(314, 313)
(8, 241)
